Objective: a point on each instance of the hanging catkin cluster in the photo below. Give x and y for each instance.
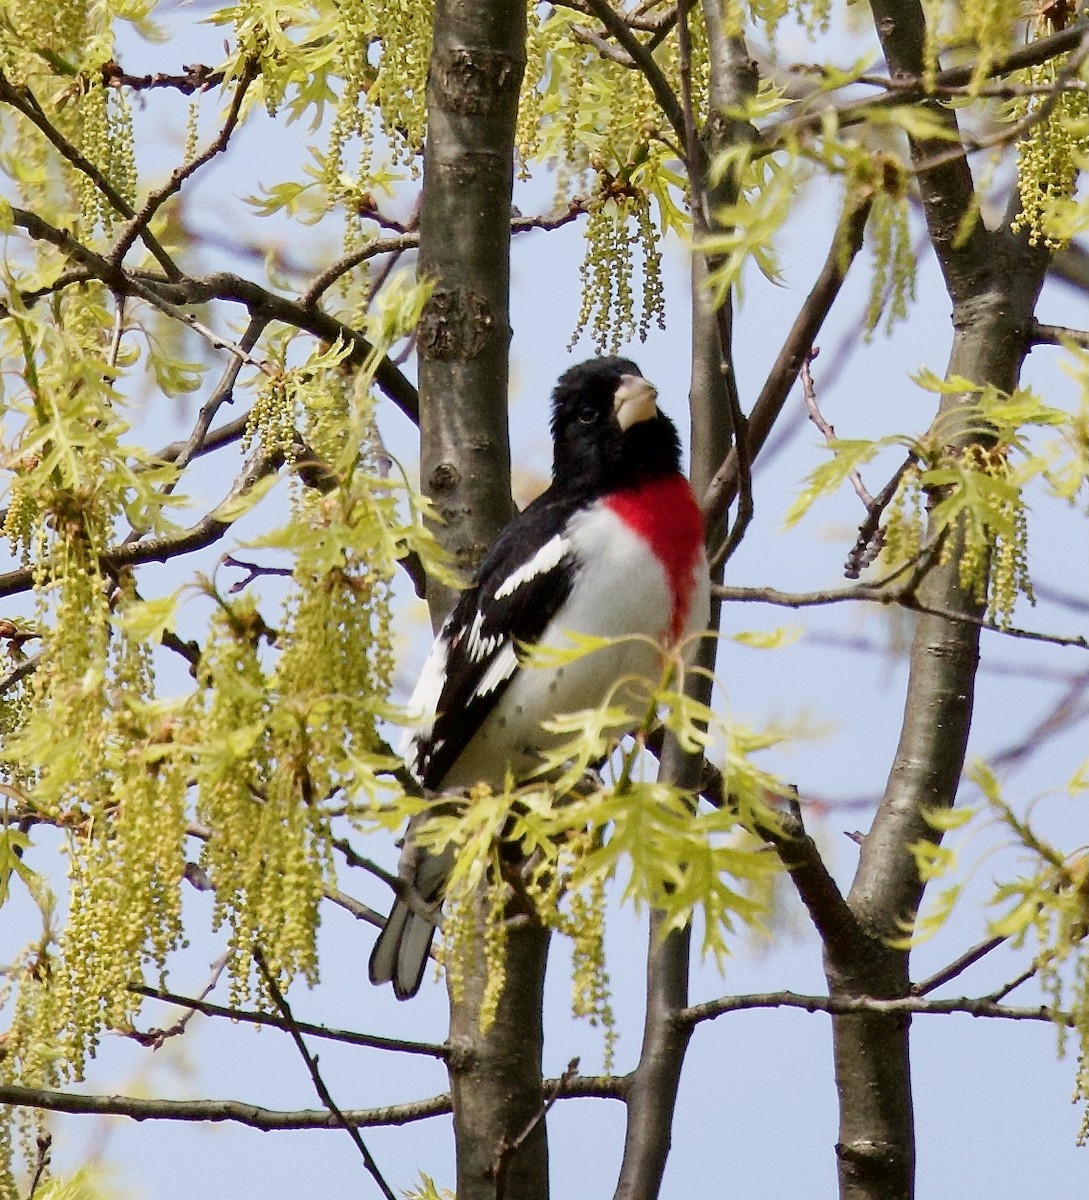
(95, 118)
(1050, 154)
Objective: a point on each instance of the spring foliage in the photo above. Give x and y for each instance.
(280, 734)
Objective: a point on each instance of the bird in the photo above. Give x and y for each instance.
(613, 547)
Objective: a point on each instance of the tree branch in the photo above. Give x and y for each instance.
(617, 27)
(24, 102)
(347, 1036)
(216, 1111)
(168, 294)
(957, 967)
(723, 488)
(903, 1006)
(319, 1083)
(140, 221)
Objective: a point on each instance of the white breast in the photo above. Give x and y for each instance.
(621, 589)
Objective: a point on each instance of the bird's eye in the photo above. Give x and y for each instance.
(588, 414)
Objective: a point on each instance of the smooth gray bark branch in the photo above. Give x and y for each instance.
(477, 63)
(993, 280)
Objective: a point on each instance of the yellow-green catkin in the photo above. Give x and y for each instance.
(1051, 153)
(892, 284)
(383, 50)
(463, 921)
(905, 525)
(283, 734)
(127, 859)
(31, 1056)
(590, 977)
(991, 543)
(271, 419)
(21, 518)
(617, 227)
(233, 793)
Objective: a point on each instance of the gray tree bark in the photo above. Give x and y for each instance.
(993, 279)
(477, 63)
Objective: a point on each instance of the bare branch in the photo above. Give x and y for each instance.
(346, 1036)
(316, 1078)
(510, 1146)
(1057, 335)
(156, 1037)
(196, 78)
(958, 966)
(878, 594)
(828, 432)
(904, 1006)
(846, 244)
(140, 221)
(23, 101)
(168, 294)
(215, 1111)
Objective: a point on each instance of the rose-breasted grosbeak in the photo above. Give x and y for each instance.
(614, 547)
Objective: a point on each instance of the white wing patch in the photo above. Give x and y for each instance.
(499, 671)
(548, 557)
(420, 709)
(478, 647)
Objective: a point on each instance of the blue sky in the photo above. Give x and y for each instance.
(757, 1111)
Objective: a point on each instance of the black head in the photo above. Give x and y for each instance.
(607, 431)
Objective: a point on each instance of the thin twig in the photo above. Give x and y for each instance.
(1014, 983)
(846, 243)
(957, 967)
(509, 1147)
(142, 219)
(903, 597)
(253, 571)
(870, 535)
(907, 1005)
(345, 1036)
(828, 432)
(44, 1146)
(156, 1037)
(908, 88)
(197, 78)
(316, 1078)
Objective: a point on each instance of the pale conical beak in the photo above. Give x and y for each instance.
(634, 401)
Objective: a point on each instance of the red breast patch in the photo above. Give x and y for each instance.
(665, 514)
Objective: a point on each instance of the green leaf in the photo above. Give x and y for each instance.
(848, 456)
(148, 620)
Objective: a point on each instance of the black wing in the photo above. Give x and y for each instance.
(523, 581)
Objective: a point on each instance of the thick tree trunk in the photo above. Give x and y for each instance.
(495, 1079)
(993, 280)
(477, 62)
